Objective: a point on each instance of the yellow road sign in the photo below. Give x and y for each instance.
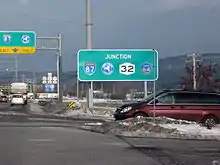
(17, 50)
(72, 104)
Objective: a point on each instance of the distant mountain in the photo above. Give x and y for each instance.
(171, 69)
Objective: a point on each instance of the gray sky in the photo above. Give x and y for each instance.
(173, 27)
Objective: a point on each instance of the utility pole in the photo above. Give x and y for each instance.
(89, 46)
(16, 68)
(194, 60)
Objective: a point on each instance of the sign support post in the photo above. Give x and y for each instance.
(58, 49)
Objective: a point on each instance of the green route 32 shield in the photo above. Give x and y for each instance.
(117, 65)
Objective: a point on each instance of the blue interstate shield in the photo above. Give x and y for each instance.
(89, 68)
(46, 88)
(146, 68)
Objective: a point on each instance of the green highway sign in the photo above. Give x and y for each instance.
(117, 65)
(17, 42)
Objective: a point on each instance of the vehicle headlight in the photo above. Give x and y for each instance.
(126, 109)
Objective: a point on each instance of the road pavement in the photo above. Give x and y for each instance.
(29, 139)
(175, 151)
(6, 107)
(64, 146)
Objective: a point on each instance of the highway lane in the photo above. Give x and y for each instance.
(29, 139)
(6, 107)
(175, 151)
(64, 146)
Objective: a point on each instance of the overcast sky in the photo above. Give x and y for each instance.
(173, 27)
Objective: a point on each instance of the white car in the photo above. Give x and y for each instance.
(17, 99)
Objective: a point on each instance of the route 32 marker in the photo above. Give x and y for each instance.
(127, 68)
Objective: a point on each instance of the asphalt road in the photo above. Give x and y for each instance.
(6, 107)
(64, 146)
(174, 151)
(26, 140)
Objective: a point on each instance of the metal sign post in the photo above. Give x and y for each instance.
(58, 49)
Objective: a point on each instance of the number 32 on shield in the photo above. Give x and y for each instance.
(127, 68)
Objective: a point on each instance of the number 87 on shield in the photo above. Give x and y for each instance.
(89, 68)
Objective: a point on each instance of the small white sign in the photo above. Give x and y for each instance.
(49, 78)
(44, 82)
(49, 74)
(49, 81)
(127, 68)
(44, 78)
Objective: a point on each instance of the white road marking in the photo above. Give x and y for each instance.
(41, 140)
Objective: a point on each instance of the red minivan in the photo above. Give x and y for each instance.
(202, 107)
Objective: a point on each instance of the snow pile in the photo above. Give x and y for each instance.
(104, 111)
(95, 100)
(36, 109)
(104, 102)
(134, 127)
(196, 130)
(159, 127)
(76, 113)
(96, 112)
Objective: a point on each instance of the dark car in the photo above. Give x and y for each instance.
(3, 99)
(202, 107)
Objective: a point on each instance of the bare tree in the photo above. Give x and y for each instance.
(204, 77)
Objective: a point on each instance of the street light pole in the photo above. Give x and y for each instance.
(89, 45)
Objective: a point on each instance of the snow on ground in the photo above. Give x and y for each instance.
(160, 127)
(99, 112)
(195, 130)
(35, 108)
(95, 100)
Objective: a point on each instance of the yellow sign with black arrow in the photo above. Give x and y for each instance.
(72, 104)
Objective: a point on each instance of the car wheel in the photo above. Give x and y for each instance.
(210, 121)
(140, 115)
